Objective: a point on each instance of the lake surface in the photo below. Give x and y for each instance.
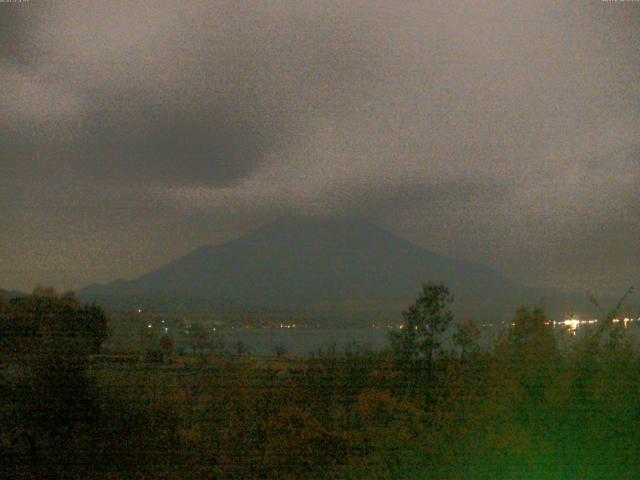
(300, 341)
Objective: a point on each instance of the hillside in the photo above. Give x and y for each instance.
(336, 265)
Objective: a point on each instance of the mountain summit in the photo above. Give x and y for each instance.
(315, 262)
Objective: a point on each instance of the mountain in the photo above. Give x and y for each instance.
(333, 265)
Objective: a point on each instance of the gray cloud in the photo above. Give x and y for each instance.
(505, 133)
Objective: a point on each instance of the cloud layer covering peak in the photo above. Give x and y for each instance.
(503, 133)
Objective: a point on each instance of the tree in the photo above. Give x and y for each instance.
(611, 327)
(531, 329)
(466, 337)
(167, 345)
(240, 348)
(425, 321)
(49, 339)
(279, 350)
(531, 351)
(44, 321)
(200, 342)
(219, 345)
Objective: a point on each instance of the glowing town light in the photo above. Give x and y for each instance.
(573, 324)
(149, 326)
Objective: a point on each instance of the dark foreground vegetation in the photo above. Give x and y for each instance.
(525, 409)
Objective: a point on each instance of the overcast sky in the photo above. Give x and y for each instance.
(132, 132)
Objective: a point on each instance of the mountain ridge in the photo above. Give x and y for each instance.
(306, 262)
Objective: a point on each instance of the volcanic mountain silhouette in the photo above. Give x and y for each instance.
(318, 262)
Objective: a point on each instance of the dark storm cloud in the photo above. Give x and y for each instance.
(505, 133)
(160, 95)
(214, 147)
(15, 42)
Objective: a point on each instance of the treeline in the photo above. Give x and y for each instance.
(524, 409)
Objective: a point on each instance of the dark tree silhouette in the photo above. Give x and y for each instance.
(466, 337)
(279, 350)
(240, 348)
(200, 341)
(425, 321)
(167, 344)
(48, 339)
